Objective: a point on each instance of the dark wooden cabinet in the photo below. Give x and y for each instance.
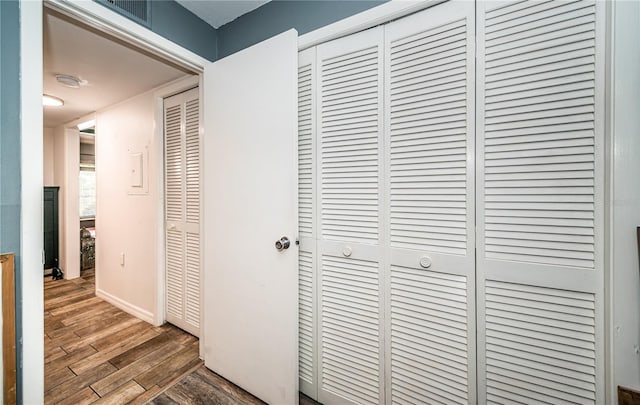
(51, 242)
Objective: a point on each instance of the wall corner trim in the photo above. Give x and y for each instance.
(127, 307)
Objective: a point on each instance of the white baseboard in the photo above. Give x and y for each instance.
(126, 307)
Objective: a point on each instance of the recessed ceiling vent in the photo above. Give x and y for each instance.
(137, 10)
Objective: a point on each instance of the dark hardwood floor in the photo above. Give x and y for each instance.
(96, 353)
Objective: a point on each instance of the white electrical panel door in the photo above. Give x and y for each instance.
(182, 210)
(429, 196)
(540, 193)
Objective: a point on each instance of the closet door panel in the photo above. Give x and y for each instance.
(350, 91)
(307, 295)
(349, 142)
(540, 201)
(429, 156)
(182, 213)
(174, 204)
(192, 209)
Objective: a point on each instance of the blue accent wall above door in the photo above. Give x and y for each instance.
(174, 22)
(181, 26)
(280, 15)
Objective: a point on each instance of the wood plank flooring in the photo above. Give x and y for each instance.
(203, 387)
(96, 353)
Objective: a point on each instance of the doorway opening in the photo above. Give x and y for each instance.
(87, 197)
(103, 332)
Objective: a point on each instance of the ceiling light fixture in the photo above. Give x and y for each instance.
(52, 101)
(69, 81)
(86, 125)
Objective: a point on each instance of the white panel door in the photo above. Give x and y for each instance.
(540, 202)
(429, 193)
(182, 210)
(250, 182)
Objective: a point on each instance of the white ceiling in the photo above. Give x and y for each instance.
(114, 70)
(219, 12)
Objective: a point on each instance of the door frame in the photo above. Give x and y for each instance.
(112, 23)
(31, 45)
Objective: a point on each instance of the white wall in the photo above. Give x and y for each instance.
(625, 202)
(125, 223)
(66, 158)
(47, 157)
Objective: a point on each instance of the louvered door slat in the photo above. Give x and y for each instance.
(182, 213)
(540, 201)
(192, 157)
(174, 276)
(173, 163)
(537, 374)
(350, 352)
(497, 124)
(349, 137)
(192, 279)
(429, 138)
(307, 219)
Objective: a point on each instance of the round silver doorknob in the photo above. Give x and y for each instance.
(282, 244)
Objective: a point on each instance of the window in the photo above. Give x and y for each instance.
(87, 191)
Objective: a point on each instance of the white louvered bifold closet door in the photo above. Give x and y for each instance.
(182, 212)
(429, 150)
(308, 354)
(540, 202)
(349, 144)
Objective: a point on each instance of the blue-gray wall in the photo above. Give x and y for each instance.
(179, 25)
(10, 148)
(278, 16)
(174, 22)
(9, 127)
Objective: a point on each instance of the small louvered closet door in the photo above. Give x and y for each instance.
(540, 202)
(349, 151)
(429, 196)
(182, 210)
